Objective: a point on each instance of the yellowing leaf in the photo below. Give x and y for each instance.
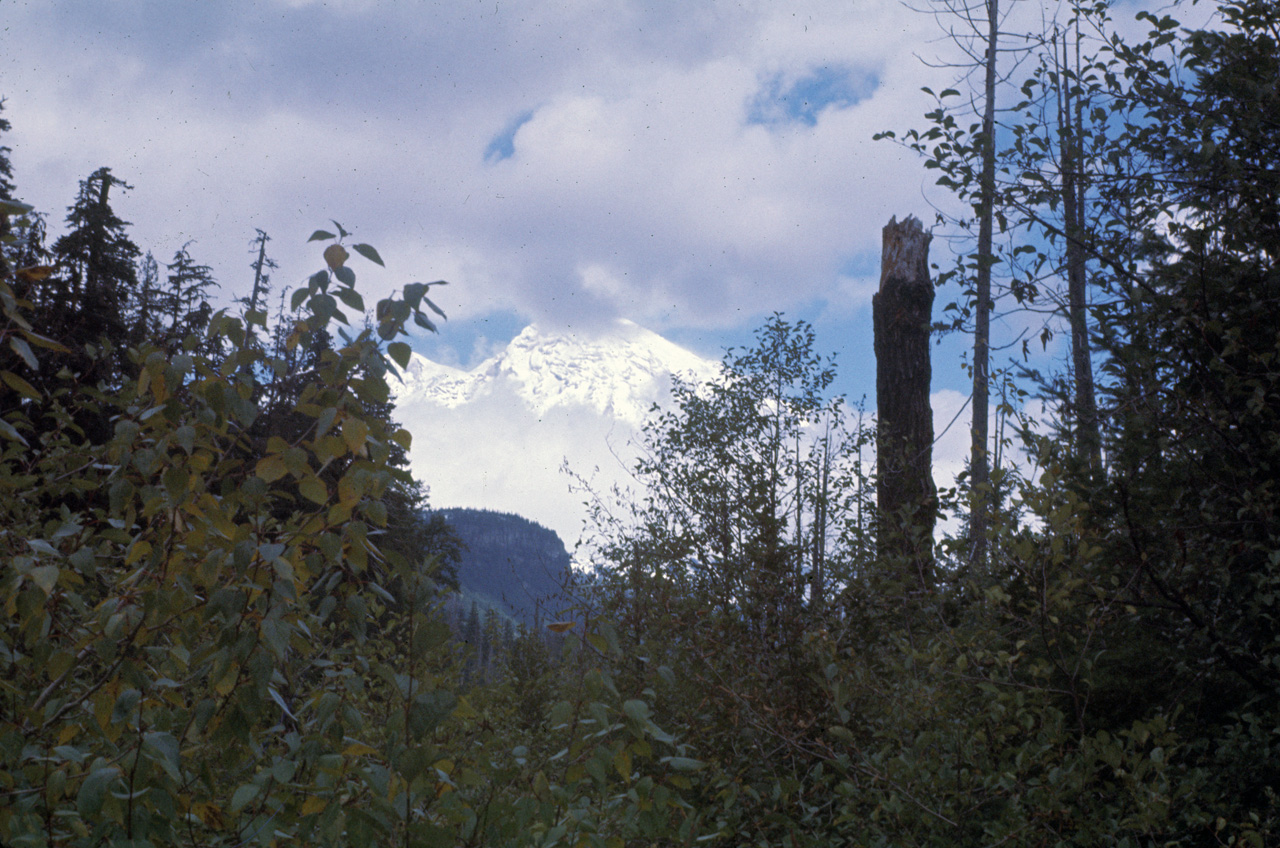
(354, 432)
(358, 749)
(19, 385)
(35, 273)
(271, 468)
(228, 680)
(314, 804)
(560, 626)
(622, 763)
(314, 490)
(44, 576)
(335, 255)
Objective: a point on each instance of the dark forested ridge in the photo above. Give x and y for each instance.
(517, 563)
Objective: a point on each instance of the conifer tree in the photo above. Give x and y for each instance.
(6, 167)
(98, 262)
(187, 300)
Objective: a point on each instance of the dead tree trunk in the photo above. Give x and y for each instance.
(902, 313)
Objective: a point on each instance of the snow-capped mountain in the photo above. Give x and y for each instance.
(500, 435)
(617, 375)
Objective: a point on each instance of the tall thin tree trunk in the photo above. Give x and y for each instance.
(1071, 131)
(902, 312)
(817, 574)
(979, 463)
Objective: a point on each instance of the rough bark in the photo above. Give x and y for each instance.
(902, 313)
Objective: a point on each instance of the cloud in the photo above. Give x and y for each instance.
(696, 156)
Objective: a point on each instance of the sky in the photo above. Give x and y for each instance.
(690, 165)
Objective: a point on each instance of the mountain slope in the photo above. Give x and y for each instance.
(519, 564)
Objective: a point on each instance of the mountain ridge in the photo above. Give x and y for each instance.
(620, 373)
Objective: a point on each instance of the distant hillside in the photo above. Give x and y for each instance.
(519, 564)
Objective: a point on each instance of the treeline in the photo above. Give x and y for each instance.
(215, 632)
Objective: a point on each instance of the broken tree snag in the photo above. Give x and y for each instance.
(902, 313)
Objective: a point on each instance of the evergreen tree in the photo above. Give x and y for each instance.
(98, 266)
(186, 303)
(6, 167)
(83, 301)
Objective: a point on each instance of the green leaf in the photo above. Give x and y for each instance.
(176, 481)
(636, 710)
(9, 432)
(321, 235)
(369, 253)
(350, 297)
(185, 436)
(429, 709)
(94, 790)
(347, 277)
(40, 546)
(424, 322)
(325, 420)
(14, 208)
(242, 796)
(276, 696)
(400, 353)
(124, 706)
(298, 298)
(341, 231)
(70, 753)
(683, 763)
(319, 280)
(355, 431)
(437, 310)
(413, 294)
(163, 748)
(23, 350)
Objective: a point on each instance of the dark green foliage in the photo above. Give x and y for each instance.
(93, 291)
(723, 579)
(1189, 511)
(6, 166)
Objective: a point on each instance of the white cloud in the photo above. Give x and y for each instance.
(636, 155)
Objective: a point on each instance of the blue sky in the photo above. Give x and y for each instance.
(693, 167)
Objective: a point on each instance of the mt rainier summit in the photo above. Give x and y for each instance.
(499, 435)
